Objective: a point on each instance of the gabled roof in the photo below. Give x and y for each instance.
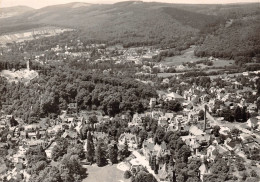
(253, 120)
(195, 130)
(174, 95)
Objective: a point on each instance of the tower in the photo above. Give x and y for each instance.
(28, 64)
(205, 118)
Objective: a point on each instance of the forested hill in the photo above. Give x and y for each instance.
(54, 89)
(130, 23)
(220, 30)
(239, 39)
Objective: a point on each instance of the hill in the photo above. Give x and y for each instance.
(14, 11)
(130, 23)
(239, 39)
(137, 23)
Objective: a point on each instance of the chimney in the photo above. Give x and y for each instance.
(205, 119)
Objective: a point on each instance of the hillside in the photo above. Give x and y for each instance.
(127, 22)
(14, 11)
(138, 23)
(239, 39)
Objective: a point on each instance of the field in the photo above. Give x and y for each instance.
(105, 174)
(188, 56)
(165, 75)
(179, 60)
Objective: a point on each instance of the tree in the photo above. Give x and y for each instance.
(125, 152)
(159, 135)
(113, 152)
(173, 105)
(76, 149)
(201, 115)
(100, 155)
(245, 114)
(216, 130)
(240, 166)
(235, 132)
(60, 149)
(72, 168)
(183, 153)
(238, 114)
(90, 148)
(142, 135)
(253, 173)
(37, 167)
(34, 155)
(127, 174)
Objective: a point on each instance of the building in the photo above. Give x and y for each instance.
(174, 96)
(252, 122)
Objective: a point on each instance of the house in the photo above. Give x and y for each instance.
(72, 107)
(179, 119)
(194, 130)
(163, 122)
(3, 169)
(169, 116)
(252, 108)
(69, 134)
(147, 148)
(174, 96)
(31, 127)
(246, 138)
(193, 118)
(252, 122)
(224, 131)
(34, 143)
(166, 81)
(162, 173)
(137, 119)
(152, 102)
(204, 170)
(130, 138)
(48, 151)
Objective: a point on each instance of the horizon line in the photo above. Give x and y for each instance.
(107, 3)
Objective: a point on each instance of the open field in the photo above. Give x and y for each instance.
(165, 75)
(179, 60)
(188, 57)
(105, 174)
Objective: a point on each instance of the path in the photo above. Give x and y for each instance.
(145, 163)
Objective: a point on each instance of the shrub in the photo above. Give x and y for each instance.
(253, 173)
(240, 167)
(127, 174)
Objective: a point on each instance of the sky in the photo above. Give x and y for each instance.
(42, 3)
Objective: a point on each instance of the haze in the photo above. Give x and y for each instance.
(42, 3)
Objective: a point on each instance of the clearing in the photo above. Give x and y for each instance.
(105, 174)
(188, 56)
(22, 75)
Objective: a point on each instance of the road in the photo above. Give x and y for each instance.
(145, 163)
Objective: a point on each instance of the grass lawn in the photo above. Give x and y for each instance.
(223, 63)
(105, 174)
(179, 60)
(188, 56)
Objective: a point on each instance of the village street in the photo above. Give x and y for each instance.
(144, 163)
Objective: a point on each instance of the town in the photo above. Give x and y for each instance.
(130, 92)
(207, 126)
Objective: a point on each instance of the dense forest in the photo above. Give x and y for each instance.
(57, 87)
(240, 40)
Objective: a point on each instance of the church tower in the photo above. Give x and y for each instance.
(28, 64)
